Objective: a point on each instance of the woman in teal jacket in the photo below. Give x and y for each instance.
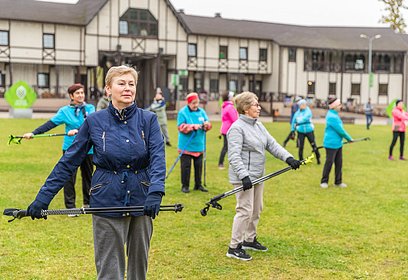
(72, 116)
(302, 123)
(333, 143)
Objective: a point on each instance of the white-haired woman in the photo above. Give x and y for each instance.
(248, 140)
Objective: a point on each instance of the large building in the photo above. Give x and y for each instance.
(51, 46)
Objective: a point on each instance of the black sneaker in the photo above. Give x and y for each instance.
(255, 245)
(200, 188)
(238, 253)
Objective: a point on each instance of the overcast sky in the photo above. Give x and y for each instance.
(302, 12)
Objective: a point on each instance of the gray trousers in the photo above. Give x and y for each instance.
(165, 132)
(248, 211)
(110, 237)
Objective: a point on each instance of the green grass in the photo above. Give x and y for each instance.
(355, 233)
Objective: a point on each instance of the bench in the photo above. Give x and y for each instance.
(348, 120)
(171, 114)
(281, 118)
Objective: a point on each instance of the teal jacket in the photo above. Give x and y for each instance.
(302, 121)
(334, 131)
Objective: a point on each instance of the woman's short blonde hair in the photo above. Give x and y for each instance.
(244, 101)
(116, 71)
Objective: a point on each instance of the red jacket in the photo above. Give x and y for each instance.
(399, 118)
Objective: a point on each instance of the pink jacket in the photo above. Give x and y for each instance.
(399, 118)
(228, 116)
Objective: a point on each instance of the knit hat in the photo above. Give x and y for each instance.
(74, 88)
(334, 102)
(301, 102)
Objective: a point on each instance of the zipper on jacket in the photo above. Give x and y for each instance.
(143, 138)
(104, 141)
(249, 159)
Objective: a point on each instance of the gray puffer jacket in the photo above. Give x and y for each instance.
(247, 141)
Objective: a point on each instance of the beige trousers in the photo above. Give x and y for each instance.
(248, 210)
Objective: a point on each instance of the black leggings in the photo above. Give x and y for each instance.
(185, 163)
(310, 136)
(395, 135)
(69, 187)
(224, 150)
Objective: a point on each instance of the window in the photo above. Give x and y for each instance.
(43, 80)
(355, 62)
(138, 23)
(192, 50)
(243, 53)
(233, 85)
(123, 27)
(292, 54)
(381, 62)
(311, 87)
(383, 89)
(214, 85)
(48, 41)
(355, 89)
(2, 80)
(332, 88)
(398, 63)
(223, 52)
(263, 54)
(4, 38)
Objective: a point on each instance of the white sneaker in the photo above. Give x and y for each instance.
(324, 185)
(341, 185)
(73, 215)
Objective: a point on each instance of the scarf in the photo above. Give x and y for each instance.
(79, 108)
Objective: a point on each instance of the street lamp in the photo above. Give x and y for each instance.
(370, 50)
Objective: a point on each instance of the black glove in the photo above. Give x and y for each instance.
(294, 163)
(34, 210)
(292, 135)
(246, 183)
(152, 204)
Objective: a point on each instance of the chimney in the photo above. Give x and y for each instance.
(181, 11)
(217, 15)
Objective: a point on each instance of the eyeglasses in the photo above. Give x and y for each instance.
(256, 105)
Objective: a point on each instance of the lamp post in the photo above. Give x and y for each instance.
(370, 50)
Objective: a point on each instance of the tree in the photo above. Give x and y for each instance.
(394, 16)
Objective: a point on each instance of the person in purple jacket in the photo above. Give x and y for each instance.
(228, 116)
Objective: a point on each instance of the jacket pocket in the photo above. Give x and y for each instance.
(145, 183)
(95, 189)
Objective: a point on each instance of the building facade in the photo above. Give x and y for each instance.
(51, 46)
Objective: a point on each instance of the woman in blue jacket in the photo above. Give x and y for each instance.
(72, 116)
(302, 123)
(130, 171)
(333, 143)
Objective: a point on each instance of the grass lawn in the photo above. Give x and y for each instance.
(359, 232)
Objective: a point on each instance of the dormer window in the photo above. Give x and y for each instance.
(138, 23)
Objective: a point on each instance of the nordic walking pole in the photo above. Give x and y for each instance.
(350, 142)
(181, 153)
(18, 213)
(214, 201)
(17, 139)
(205, 159)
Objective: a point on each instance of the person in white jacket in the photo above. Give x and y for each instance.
(247, 141)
